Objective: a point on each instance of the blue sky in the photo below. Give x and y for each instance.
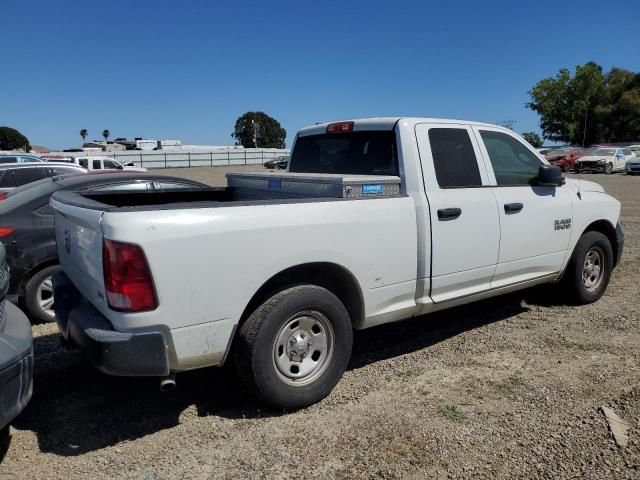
(187, 69)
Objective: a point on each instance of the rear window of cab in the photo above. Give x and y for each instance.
(357, 153)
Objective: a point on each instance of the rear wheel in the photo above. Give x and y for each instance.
(38, 295)
(590, 267)
(294, 348)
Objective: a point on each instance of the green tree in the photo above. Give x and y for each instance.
(533, 138)
(105, 134)
(257, 129)
(12, 139)
(589, 106)
(83, 134)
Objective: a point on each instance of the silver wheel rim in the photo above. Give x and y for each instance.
(609, 168)
(593, 269)
(303, 348)
(44, 297)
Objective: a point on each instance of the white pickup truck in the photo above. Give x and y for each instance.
(158, 283)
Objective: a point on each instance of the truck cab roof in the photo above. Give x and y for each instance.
(384, 123)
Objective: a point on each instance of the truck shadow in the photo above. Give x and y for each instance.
(76, 409)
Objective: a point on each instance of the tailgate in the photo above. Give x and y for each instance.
(79, 242)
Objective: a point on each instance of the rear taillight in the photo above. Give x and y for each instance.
(6, 231)
(127, 278)
(3, 196)
(340, 127)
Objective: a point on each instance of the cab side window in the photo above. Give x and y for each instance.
(512, 162)
(453, 158)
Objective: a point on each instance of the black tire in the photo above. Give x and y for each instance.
(608, 168)
(5, 440)
(31, 302)
(257, 347)
(574, 276)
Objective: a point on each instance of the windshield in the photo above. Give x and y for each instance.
(358, 153)
(604, 151)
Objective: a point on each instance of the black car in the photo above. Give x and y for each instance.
(27, 230)
(16, 359)
(19, 174)
(277, 163)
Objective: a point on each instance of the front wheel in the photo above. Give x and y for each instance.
(38, 295)
(295, 347)
(608, 168)
(589, 269)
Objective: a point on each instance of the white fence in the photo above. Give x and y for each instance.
(189, 158)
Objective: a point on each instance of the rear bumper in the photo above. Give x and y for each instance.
(16, 374)
(142, 353)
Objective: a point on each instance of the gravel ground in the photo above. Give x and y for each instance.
(506, 388)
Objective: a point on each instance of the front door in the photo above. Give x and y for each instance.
(465, 230)
(535, 221)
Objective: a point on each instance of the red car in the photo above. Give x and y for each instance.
(565, 157)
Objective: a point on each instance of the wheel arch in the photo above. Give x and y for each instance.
(609, 231)
(335, 278)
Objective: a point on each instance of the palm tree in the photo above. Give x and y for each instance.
(83, 134)
(105, 134)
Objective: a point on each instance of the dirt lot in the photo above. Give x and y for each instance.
(508, 388)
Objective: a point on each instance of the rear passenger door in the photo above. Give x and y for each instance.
(535, 221)
(465, 230)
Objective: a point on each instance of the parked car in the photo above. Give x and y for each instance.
(632, 167)
(565, 157)
(105, 163)
(604, 160)
(16, 175)
(155, 285)
(26, 229)
(16, 359)
(19, 158)
(277, 163)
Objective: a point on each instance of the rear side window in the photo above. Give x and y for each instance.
(512, 162)
(28, 175)
(358, 153)
(8, 159)
(453, 158)
(6, 179)
(83, 162)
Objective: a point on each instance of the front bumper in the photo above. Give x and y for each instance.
(620, 244)
(143, 353)
(590, 167)
(16, 362)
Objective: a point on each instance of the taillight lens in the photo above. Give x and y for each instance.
(127, 278)
(3, 196)
(340, 127)
(6, 231)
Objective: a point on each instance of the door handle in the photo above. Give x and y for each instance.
(512, 207)
(449, 213)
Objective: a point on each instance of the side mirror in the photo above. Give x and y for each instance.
(550, 176)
